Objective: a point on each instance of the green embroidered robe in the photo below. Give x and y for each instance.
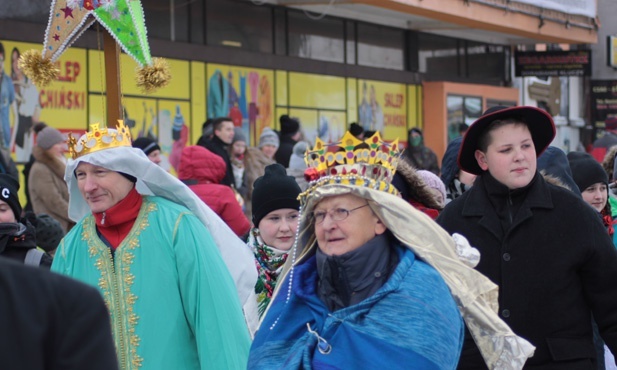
(172, 302)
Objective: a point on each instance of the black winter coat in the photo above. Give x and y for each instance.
(52, 322)
(285, 150)
(555, 266)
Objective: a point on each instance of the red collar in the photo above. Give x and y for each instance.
(116, 222)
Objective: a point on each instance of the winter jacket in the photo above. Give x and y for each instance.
(202, 171)
(286, 148)
(255, 163)
(52, 322)
(18, 243)
(410, 322)
(218, 147)
(422, 158)
(48, 192)
(602, 145)
(555, 265)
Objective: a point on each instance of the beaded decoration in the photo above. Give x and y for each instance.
(370, 163)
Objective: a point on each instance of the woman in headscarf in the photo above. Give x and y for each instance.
(372, 282)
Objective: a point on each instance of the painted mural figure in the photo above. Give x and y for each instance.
(365, 114)
(28, 111)
(376, 112)
(7, 97)
(218, 95)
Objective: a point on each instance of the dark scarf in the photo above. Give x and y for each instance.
(352, 277)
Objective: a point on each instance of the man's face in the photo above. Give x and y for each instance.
(155, 156)
(100, 187)
(510, 156)
(339, 237)
(225, 132)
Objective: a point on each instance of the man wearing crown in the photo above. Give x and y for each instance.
(152, 249)
(372, 282)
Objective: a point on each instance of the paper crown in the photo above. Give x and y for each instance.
(370, 163)
(98, 139)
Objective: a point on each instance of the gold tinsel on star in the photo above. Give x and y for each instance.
(40, 70)
(152, 77)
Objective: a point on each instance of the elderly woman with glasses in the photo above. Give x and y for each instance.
(371, 282)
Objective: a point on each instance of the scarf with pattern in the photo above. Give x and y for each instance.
(269, 262)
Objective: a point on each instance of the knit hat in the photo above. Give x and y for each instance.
(433, 181)
(48, 232)
(449, 164)
(611, 123)
(238, 135)
(8, 193)
(539, 123)
(586, 171)
(274, 190)
(49, 137)
(268, 137)
(296, 161)
(146, 144)
(289, 126)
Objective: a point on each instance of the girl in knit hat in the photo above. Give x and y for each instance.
(275, 222)
(48, 191)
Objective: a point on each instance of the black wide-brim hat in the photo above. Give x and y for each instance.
(539, 122)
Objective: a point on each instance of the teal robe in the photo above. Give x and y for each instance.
(172, 301)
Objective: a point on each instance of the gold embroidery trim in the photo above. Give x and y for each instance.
(116, 281)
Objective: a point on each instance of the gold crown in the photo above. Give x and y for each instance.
(98, 139)
(350, 161)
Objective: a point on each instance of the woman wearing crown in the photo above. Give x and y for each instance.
(371, 282)
(150, 246)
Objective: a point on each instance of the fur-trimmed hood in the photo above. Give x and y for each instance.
(411, 185)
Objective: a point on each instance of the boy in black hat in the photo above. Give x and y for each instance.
(545, 248)
(17, 239)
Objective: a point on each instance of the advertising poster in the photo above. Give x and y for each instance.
(382, 106)
(246, 95)
(62, 104)
(332, 126)
(603, 103)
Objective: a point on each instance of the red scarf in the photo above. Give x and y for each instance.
(116, 222)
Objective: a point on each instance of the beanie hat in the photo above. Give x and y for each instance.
(274, 190)
(433, 181)
(48, 232)
(146, 144)
(355, 129)
(238, 135)
(49, 137)
(289, 126)
(586, 171)
(554, 162)
(268, 137)
(296, 161)
(8, 193)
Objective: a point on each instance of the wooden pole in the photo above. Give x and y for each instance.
(111, 50)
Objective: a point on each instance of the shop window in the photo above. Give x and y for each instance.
(158, 19)
(319, 39)
(350, 42)
(380, 46)
(438, 56)
(239, 24)
(462, 110)
(485, 60)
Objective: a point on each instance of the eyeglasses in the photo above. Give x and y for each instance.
(337, 214)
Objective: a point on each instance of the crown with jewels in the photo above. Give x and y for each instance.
(98, 139)
(370, 163)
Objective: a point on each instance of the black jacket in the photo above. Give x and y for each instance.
(555, 265)
(17, 239)
(285, 150)
(218, 147)
(52, 322)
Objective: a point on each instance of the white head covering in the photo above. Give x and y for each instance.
(154, 180)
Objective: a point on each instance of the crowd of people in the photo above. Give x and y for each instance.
(356, 254)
